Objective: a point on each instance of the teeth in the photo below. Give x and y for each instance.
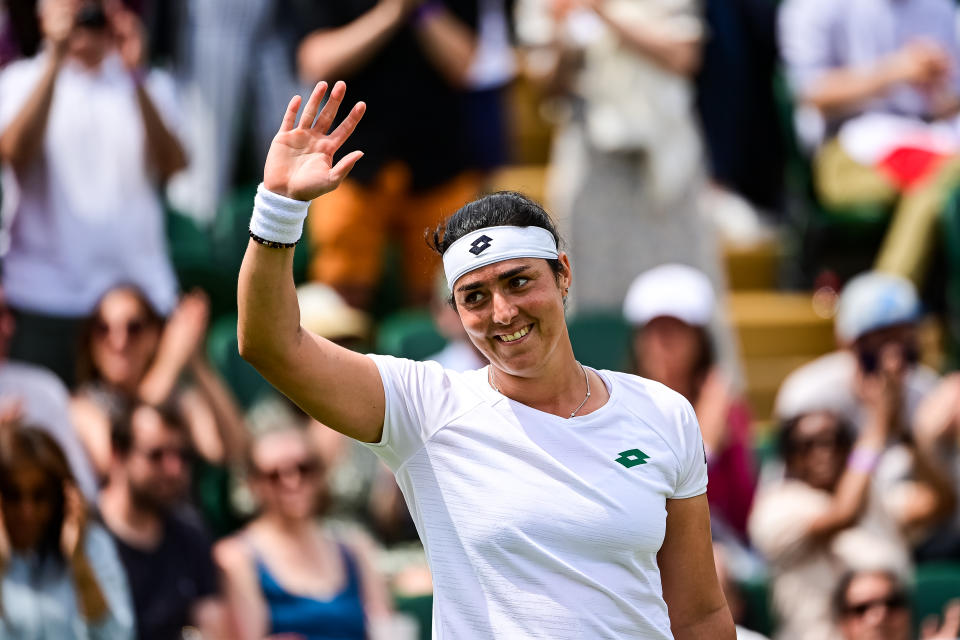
(515, 336)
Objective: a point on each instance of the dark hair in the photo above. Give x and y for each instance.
(839, 599)
(785, 444)
(121, 423)
(503, 208)
(86, 368)
(28, 445)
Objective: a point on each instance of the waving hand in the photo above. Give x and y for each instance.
(300, 161)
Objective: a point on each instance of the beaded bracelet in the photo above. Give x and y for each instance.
(271, 243)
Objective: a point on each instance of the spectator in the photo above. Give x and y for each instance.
(166, 553)
(61, 574)
(36, 396)
(234, 69)
(846, 502)
(670, 308)
(881, 80)
(874, 605)
(415, 168)
(732, 594)
(876, 322)
(128, 352)
(86, 135)
(285, 572)
(627, 158)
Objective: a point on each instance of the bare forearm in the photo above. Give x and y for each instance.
(163, 149)
(161, 378)
(226, 413)
(449, 45)
(269, 316)
(843, 90)
(681, 56)
(716, 625)
(22, 140)
(337, 53)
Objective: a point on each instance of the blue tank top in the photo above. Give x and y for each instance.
(340, 618)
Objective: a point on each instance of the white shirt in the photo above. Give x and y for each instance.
(87, 214)
(45, 403)
(536, 526)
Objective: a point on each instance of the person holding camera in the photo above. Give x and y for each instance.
(61, 576)
(86, 137)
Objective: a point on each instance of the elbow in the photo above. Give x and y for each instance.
(687, 60)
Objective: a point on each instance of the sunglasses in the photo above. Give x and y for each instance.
(893, 602)
(870, 359)
(156, 455)
(303, 469)
(133, 328)
(805, 445)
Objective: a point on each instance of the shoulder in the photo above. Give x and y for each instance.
(428, 379)
(185, 530)
(22, 70)
(647, 398)
(29, 378)
(233, 553)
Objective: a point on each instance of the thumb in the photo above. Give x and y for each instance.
(346, 164)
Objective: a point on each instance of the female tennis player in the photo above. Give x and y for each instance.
(554, 501)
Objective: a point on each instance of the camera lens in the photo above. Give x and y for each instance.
(91, 16)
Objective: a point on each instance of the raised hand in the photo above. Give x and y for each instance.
(74, 522)
(186, 329)
(57, 18)
(300, 161)
(129, 34)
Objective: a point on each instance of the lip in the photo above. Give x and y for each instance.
(529, 328)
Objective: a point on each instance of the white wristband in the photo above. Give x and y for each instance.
(277, 218)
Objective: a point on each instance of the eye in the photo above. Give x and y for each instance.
(473, 297)
(519, 281)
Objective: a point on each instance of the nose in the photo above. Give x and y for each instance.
(173, 465)
(504, 311)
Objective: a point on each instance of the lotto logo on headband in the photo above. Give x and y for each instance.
(480, 245)
(496, 244)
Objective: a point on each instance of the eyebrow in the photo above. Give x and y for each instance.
(506, 275)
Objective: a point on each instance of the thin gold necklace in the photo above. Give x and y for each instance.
(572, 413)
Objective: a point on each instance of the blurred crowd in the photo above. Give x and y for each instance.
(153, 486)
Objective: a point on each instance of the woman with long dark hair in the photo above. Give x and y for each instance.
(61, 574)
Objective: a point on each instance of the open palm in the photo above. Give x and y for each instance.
(300, 161)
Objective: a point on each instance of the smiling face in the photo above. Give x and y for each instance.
(123, 338)
(287, 475)
(513, 312)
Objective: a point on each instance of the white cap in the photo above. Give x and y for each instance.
(673, 290)
(875, 300)
(324, 312)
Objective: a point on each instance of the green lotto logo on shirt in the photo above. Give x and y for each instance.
(632, 457)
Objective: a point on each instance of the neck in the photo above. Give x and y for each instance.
(126, 518)
(557, 387)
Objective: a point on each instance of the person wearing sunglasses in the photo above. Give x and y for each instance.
(60, 576)
(165, 550)
(875, 605)
(286, 572)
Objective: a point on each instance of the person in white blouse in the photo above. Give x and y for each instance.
(553, 500)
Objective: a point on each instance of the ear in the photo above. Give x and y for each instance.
(565, 276)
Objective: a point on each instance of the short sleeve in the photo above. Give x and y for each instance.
(804, 29)
(780, 518)
(692, 480)
(16, 82)
(418, 397)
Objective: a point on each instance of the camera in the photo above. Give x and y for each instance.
(91, 16)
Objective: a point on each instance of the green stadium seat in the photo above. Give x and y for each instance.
(601, 340)
(951, 239)
(936, 584)
(409, 334)
(420, 608)
(247, 385)
(758, 615)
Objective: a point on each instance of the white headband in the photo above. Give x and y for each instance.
(496, 244)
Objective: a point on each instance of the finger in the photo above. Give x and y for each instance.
(343, 168)
(330, 109)
(340, 135)
(290, 116)
(313, 105)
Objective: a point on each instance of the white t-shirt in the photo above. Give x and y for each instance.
(536, 526)
(87, 215)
